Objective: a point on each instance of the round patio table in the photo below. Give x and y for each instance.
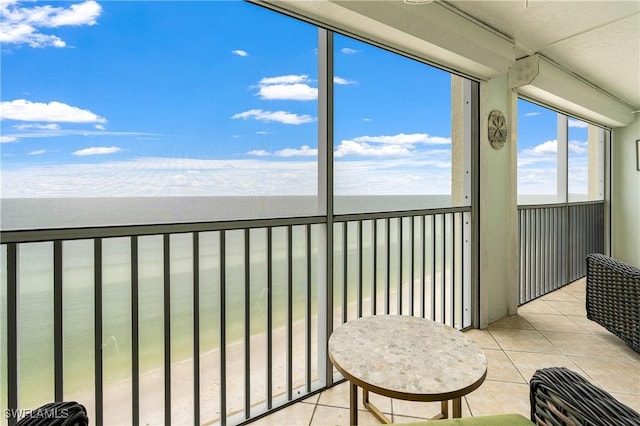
(407, 358)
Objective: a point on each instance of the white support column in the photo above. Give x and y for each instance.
(325, 198)
(498, 207)
(563, 158)
(595, 166)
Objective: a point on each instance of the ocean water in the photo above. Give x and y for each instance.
(47, 213)
(35, 270)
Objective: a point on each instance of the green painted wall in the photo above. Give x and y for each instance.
(625, 204)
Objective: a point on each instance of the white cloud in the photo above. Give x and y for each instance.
(24, 110)
(550, 148)
(38, 152)
(240, 53)
(258, 153)
(287, 87)
(399, 145)
(350, 147)
(303, 151)
(21, 25)
(8, 139)
(97, 150)
(284, 79)
(577, 123)
(50, 133)
(577, 147)
(343, 81)
(349, 51)
(51, 126)
(405, 139)
(99, 127)
(294, 92)
(146, 177)
(283, 117)
(545, 148)
(532, 114)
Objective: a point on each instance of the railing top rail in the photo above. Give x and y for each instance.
(545, 206)
(56, 234)
(394, 214)
(39, 235)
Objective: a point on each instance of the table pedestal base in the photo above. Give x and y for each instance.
(456, 404)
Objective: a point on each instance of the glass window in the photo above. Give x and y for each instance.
(586, 161)
(128, 118)
(537, 154)
(392, 131)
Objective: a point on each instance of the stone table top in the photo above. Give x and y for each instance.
(407, 357)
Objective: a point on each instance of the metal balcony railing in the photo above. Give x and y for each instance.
(554, 242)
(211, 322)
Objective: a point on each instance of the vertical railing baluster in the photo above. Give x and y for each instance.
(97, 324)
(399, 231)
(308, 307)
(135, 341)
(269, 318)
(411, 264)
(289, 314)
(247, 323)
(433, 266)
(374, 266)
(58, 333)
(223, 327)
(423, 266)
(453, 269)
(196, 327)
(360, 271)
(12, 332)
(167, 327)
(345, 266)
(545, 241)
(443, 266)
(387, 275)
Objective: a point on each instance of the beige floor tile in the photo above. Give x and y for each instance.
(559, 295)
(499, 398)
(338, 396)
(511, 322)
(537, 307)
(523, 340)
(612, 375)
(630, 400)
(575, 307)
(620, 346)
(335, 416)
(586, 345)
(419, 410)
(501, 368)
(527, 363)
(296, 414)
(577, 288)
(483, 338)
(548, 322)
(588, 325)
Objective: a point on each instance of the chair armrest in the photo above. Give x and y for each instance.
(561, 397)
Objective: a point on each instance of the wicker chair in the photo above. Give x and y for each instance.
(613, 297)
(64, 413)
(561, 397)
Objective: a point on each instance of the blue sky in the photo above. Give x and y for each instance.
(205, 98)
